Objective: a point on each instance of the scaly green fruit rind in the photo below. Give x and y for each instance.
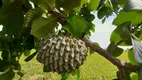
(61, 53)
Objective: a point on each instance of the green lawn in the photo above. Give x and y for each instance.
(94, 68)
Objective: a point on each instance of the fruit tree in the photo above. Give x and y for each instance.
(59, 31)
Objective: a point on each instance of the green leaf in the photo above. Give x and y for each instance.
(122, 3)
(133, 5)
(114, 50)
(65, 76)
(97, 44)
(3, 45)
(104, 11)
(102, 3)
(14, 20)
(32, 14)
(1, 3)
(3, 18)
(88, 33)
(17, 66)
(91, 51)
(3, 65)
(89, 17)
(7, 75)
(83, 2)
(131, 57)
(69, 5)
(41, 27)
(134, 77)
(28, 42)
(27, 52)
(92, 5)
(45, 4)
(78, 74)
(45, 68)
(115, 4)
(127, 72)
(30, 56)
(115, 35)
(26, 5)
(76, 26)
(126, 42)
(125, 33)
(118, 75)
(134, 17)
(139, 33)
(21, 74)
(104, 19)
(57, 4)
(92, 27)
(5, 55)
(6, 2)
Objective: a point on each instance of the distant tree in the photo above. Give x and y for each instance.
(25, 22)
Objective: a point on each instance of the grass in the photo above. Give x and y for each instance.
(94, 68)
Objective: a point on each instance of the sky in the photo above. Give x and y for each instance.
(103, 31)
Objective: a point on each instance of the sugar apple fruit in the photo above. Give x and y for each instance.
(61, 53)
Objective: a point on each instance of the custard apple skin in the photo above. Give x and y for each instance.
(61, 53)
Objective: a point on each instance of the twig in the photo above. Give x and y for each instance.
(122, 73)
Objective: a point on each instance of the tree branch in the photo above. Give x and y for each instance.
(119, 63)
(122, 73)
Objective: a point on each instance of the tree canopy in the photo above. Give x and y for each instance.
(25, 22)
